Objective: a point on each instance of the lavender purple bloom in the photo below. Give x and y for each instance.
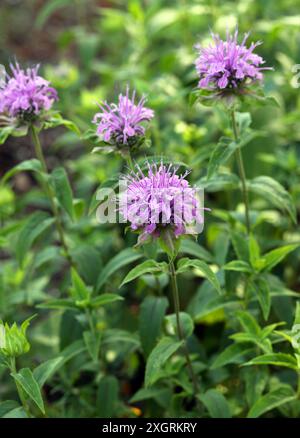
(122, 123)
(25, 93)
(160, 199)
(227, 64)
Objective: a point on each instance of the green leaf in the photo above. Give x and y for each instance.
(150, 393)
(16, 413)
(221, 154)
(79, 290)
(254, 251)
(103, 299)
(248, 323)
(152, 312)
(235, 353)
(63, 190)
(26, 380)
(240, 245)
(185, 264)
(276, 359)
(275, 193)
(45, 370)
(256, 379)
(243, 121)
(147, 267)
(60, 303)
(225, 148)
(37, 224)
(215, 403)
(192, 248)
(262, 290)
(186, 323)
(219, 182)
(92, 342)
(297, 314)
(11, 127)
(88, 261)
(7, 406)
(72, 350)
(158, 357)
(107, 397)
(275, 256)
(32, 165)
(272, 400)
(122, 259)
(55, 119)
(238, 265)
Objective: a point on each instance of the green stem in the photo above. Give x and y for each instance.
(179, 328)
(89, 317)
(298, 386)
(129, 161)
(242, 173)
(22, 398)
(49, 192)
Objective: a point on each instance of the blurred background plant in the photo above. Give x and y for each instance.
(90, 50)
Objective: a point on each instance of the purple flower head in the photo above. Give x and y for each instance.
(227, 64)
(122, 123)
(26, 94)
(160, 199)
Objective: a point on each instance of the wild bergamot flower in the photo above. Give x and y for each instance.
(228, 65)
(25, 94)
(159, 200)
(123, 123)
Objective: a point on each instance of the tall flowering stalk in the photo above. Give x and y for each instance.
(160, 204)
(25, 99)
(229, 71)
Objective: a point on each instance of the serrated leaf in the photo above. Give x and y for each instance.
(272, 400)
(276, 359)
(272, 258)
(235, 353)
(26, 380)
(274, 192)
(185, 264)
(147, 267)
(158, 357)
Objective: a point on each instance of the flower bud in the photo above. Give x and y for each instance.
(13, 341)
